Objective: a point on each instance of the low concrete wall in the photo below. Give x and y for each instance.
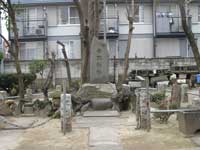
(134, 64)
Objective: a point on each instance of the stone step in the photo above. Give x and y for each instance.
(105, 113)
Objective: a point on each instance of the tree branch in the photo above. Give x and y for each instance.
(4, 4)
(7, 42)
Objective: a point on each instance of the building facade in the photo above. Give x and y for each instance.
(157, 31)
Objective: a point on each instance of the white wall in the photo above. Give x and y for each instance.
(167, 47)
(141, 47)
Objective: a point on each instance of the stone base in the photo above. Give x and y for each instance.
(90, 91)
(101, 104)
(189, 122)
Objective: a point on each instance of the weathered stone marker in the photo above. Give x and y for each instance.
(184, 95)
(99, 62)
(143, 109)
(66, 111)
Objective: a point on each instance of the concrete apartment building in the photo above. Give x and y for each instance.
(158, 33)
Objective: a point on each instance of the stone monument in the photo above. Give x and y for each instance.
(99, 62)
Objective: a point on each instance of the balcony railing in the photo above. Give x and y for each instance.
(169, 25)
(31, 29)
(112, 27)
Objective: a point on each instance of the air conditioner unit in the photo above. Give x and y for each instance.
(39, 31)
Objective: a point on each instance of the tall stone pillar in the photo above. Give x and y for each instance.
(66, 113)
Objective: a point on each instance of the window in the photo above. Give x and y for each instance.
(69, 47)
(139, 13)
(31, 51)
(63, 15)
(67, 15)
(74, 17)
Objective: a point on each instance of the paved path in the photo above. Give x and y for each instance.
(104, 137)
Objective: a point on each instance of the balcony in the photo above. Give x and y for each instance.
(168, 26)
(31, 30)
(112, 28)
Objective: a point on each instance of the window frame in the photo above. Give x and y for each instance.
(59, 16)
(29, 52)
(68, 16)
(140, 14)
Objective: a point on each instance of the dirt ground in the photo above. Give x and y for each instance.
(161, 137)
(49, 137)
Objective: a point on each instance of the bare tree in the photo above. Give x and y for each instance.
(8, 8)
(188, 31)
(66, 63)
(49, 78)
(130, 17)
(88, 11)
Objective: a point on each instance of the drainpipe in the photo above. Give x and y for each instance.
(154, 28)
(105, 28)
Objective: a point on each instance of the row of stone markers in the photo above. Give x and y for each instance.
(65, 111)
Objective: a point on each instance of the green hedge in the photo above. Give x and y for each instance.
(9, 82)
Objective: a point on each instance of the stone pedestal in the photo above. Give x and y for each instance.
(28, 108)
(58, 88)
(189, 122)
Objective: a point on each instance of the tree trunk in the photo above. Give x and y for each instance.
(130, 13)
(189, 34)
(82, 8)
(66, 63)
(89, 27)
(16, 55)
(126, 58)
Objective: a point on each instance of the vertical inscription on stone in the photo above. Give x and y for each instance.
(99, 62)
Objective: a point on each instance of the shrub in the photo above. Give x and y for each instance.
(37, 66)
(8, 82)
(1, 56)
(158, 97)
(162, 104)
